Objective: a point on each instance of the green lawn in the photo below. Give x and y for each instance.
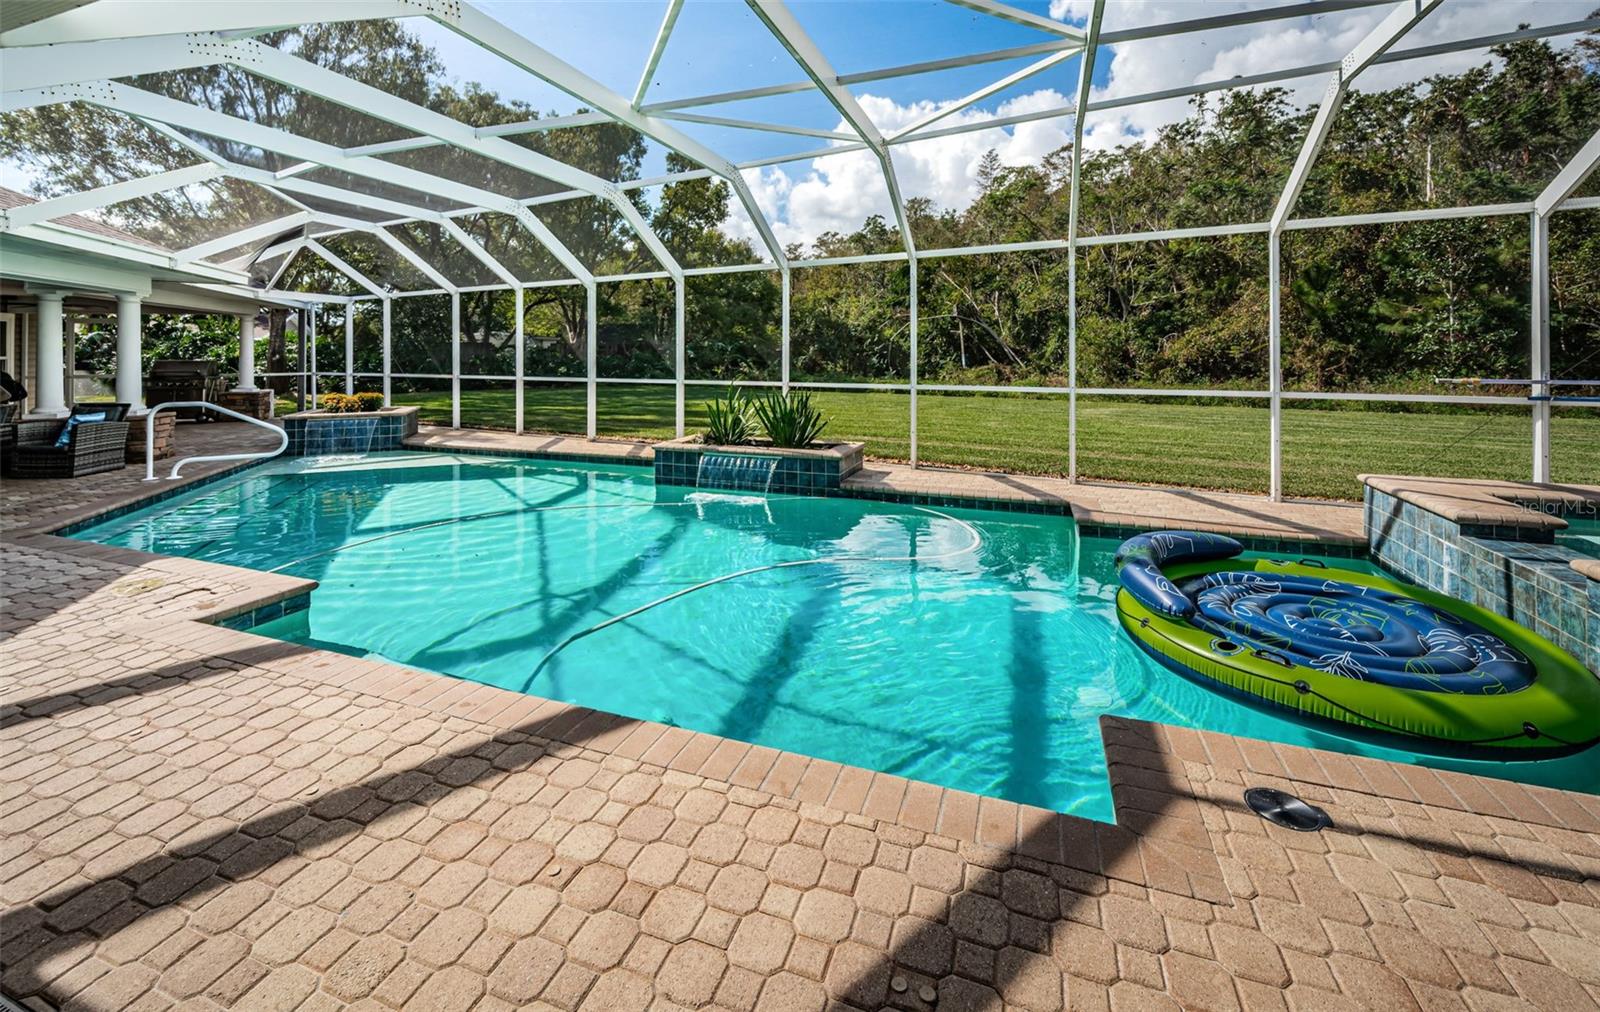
(1119, 440)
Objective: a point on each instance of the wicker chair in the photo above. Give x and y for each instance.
(93, 447)
(10, 415)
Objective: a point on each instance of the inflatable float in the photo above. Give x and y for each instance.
(1354, 650)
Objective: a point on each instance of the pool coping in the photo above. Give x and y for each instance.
(1160, 838)
(1173, 853)
(1098, 508)
(1508, 504)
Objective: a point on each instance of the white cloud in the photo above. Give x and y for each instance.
(1074, 11)
(839, 191)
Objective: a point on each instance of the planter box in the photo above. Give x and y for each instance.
(756, 468)
(320, 433)
(255, 403)
(166, 423)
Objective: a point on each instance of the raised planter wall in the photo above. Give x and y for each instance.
(166, 425)
(812, 471)
(321, 433)
(255, 403)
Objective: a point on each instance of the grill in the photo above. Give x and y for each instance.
(184, 379)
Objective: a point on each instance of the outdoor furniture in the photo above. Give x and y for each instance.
(10, 414)
(91, 448)
(184, 379)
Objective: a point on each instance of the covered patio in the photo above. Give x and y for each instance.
(78, 275)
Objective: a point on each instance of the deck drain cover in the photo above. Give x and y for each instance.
(1286, 810)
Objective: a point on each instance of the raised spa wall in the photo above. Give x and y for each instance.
(811, 471)
(1492, 544)
(321, 433)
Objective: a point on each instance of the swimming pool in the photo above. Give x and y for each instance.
(970, 648)
(1582, 535)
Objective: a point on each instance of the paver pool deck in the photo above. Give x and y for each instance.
(195, 817)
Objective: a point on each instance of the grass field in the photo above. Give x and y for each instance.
(1205, 446)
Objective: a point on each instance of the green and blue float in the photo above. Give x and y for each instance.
(1354, 651)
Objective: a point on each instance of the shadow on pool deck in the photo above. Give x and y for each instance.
(1011, 908)
(195, 868)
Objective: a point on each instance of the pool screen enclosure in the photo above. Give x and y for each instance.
(409, 207)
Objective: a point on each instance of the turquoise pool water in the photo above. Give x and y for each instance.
(968, 648)
(1582, 536)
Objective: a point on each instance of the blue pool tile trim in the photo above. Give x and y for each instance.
(1041, 507)
(325, 435)
(1287, 547)
(1517, 572)
(267, 613)
(505, 452)
(790, 475)
(67, 530)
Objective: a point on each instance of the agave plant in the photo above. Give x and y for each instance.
(728, 419)
(790, 419)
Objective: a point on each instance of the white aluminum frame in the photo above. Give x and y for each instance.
(1091, 46)
(1402, 19)
(69, 56)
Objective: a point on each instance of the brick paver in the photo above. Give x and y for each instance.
(201, 818)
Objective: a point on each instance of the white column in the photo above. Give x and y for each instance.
(1539, 346)
(591, 355)
(247, 353)
(1072, 353)
(678, 349)
(911, 265)
(522, 341)
(130, 362)
(49, 394)
(350, 347)
(310, 366)
(387, 384)
(1275, 367)
(455, 360)
(785, 329)
(69, 348)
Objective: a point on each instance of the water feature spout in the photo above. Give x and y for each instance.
(328, 437)
(738, 471)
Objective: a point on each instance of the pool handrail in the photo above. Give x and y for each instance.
(150, 432)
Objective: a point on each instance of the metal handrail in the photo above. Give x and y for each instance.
(150, 435)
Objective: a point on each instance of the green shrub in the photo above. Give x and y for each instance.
(347, 404)
(728, 419)
(791, 420)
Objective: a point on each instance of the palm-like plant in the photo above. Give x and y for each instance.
(790, 419)
(728, 419)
